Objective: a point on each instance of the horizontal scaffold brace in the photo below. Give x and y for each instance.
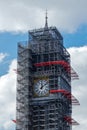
(68, 95)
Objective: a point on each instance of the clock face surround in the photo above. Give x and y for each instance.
(41, 87)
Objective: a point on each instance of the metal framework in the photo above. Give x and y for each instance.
(24, 91)
(44, 57)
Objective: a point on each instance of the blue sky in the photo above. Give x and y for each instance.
(76, 39)
(8, 44)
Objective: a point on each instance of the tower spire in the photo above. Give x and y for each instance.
(46, 22)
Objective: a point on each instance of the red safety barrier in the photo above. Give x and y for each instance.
(14, 121)
(70, 120)
(64, 64)
(48, 63)
(67, 94)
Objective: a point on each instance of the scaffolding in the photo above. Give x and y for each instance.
(24, 92)
(44, 58)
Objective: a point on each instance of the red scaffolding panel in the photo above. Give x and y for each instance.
(65, 65)
(70, 120)
(61, 62)
(74, 75)
(68, 95)
(14, 121)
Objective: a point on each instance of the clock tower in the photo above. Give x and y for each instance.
(44, 99)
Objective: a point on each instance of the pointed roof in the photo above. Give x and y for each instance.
(46, 22)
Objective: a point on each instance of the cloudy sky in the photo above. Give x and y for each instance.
(19, 16)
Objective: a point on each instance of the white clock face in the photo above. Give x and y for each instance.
(41, 87)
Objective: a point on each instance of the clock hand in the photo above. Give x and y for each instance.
(41, 86)
(46, 83)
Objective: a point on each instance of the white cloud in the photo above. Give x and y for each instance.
(2, 56)
(8, 98)
(67, 15)
(79, 88)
